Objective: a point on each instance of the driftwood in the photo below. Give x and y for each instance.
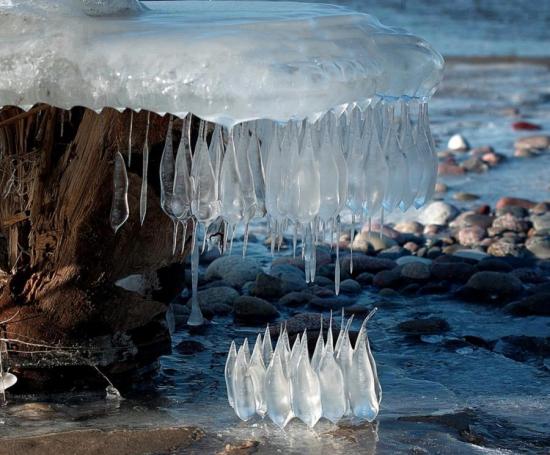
(59, 255)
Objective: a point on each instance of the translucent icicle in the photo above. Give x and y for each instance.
(337, 264)
(331, 381)
(306, 391)
(295, 354)
(267, 347)
(360, 381)
(257, 373)
(130, 138)
(195, 318)
(120, 210)
(144, 176)
(182, 188)
(277, 392)
(344, 358)
(319, 349)
(243, 388)
(229, 372)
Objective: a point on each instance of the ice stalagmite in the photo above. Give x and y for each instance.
(306, 391)
(243, 388)
(267, 347)
(277, 390)
(119, 208)
(331, 381)
(257, 373)
(229, 372)
(319, 349)
(361, 383)
(144, 175)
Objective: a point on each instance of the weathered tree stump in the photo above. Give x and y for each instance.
(59, 257)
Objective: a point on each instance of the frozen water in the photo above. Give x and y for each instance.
(224, 61)
(330, 388)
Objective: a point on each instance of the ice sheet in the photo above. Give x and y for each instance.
(224, 61)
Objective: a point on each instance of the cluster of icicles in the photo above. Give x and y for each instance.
(361, 159)
(284, 383)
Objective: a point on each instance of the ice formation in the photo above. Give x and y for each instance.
(305, 111)
(338, 381)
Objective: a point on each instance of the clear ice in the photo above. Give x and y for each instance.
(290, 386)
(306, 111)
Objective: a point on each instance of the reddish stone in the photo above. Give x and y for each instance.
(492, 158)
(526, 126)
(515, 201)
(449, 169)
(483, 209)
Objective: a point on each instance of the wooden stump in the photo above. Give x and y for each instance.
(59, 256)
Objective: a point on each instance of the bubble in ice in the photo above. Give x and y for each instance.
(301, 390)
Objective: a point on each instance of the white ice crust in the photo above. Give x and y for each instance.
(224, 61)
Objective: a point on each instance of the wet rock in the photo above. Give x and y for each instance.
(438, 212)
(522, 348)
(388, 293)
(216, 301)
(438, 287)
(518, 202)
(533, 305)
(528, 275)
(492, 158)
(330, 303)
(518, 212)
(525, 126)
(189, 347)
(449, 168)
(320, 291)
(254, 310)
(412, 247)
(459, 272)
(471, 256)
(371, 242)
(424, 326)
(323, 256)
(540, 288)
(465, 197)
(363, 263)
(541, 208)
(434, 252)
(539, 142)
(324, 281)
(235, 270)
(394, 252)
(292, 278)
(471, 236)
(475, 164)
(328, 270)
(508, 222)
(365, 278)
(526, 153)
(539, 246)
(267, 287)
(457, 142)
(495, 286)
(300, 322)
(294, 299)
(409, 227)
(491, 264)
(505, 247)
(387, 278)
(411, 259)
(416, 271)
(541, 222)
(350, 287)
(441, 187)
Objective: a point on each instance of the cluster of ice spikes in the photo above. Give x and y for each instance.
(361, 159)
(338, 381)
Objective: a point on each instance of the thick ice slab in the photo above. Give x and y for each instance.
(223, 61)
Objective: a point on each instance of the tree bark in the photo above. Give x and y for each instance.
(60, 257)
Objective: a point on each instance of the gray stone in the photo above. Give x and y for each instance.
(367, 242)
(538, 142)
(469, 219)
(541, 222)
(330, 303)
(438, 212)
(294, 299)
(533, 305)
(216, 300)
(493, 285)
(387, 278)
(235, 270)
(254, 310)
(363, 263)
(365, 278)
(350, 287)
(458, 272)
(267, 287)
(409, 227)
(411, 259)
(416, 271)
(394, 252)
(293, 279)
(539, 246)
